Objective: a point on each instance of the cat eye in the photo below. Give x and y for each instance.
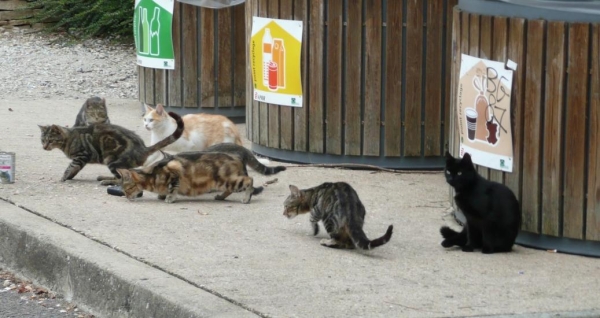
(459, 173)
(447, 172)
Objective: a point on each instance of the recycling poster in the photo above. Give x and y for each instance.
(152, 30)
(275, 49)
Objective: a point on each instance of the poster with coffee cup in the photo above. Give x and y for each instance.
(483, 111)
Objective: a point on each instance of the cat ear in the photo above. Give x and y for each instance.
(466, 159)
(295, 191)
(124, 173)
(42, 128)
(160, 110)
(148, 108)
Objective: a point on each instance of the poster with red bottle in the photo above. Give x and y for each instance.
(275, 49)
(483, 112)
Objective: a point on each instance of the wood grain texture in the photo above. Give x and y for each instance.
(516, 52)
(333, 85)
(263, 112)
(456, 49)
(224, 62)
(393, 80)
(531, 131)
(255, 104)
(499, 33)
(353, 72)
(474, 30)
(315, 69)
(552, 173)
(189, 63)
(174, 92)
(207, 57)
(141, 84)
(286, 115)
(239, 58)
(413, 66)
(448, 72)
(300, 113)
(160, 79)
(273, 120)
(575, 126)
(249, 12)
(149, 83)
(372, 85)
(433, 78)
(593, 199)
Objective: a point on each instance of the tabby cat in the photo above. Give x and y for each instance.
(106, 144)
(340, 209)
(492, 212)
(190, 174)
(246, 156)
(93, 111)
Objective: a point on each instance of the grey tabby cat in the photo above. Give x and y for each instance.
(93, 111)
(338, 206)
(107, 144)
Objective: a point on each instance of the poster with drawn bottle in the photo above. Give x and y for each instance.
(275, 49)
(152, 30)
(484, 120)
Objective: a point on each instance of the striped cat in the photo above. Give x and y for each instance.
(338, 206)
(107, 144)
(93, 111)
(190, 174)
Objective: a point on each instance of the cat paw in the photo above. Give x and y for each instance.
(446, 243)
(329, 243)
(170, 199)
(108, 182)
(246, 200)
(219, 197)
(315, 229)
(162, 196)
(467, 249)
(487, 250)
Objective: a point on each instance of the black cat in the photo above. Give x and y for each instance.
(492, 210)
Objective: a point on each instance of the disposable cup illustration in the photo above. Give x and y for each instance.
(471, 115)
(267, 50)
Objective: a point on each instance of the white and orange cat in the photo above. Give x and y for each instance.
(200, 130)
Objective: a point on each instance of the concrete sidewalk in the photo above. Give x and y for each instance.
(204, 258)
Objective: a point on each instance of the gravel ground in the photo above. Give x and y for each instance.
(36, 65)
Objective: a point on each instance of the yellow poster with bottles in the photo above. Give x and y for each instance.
(275, 49)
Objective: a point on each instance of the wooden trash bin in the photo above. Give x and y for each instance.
(376, 77)
(555, 106)
(209, 75)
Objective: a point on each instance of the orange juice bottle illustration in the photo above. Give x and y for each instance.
(481, 106)
(267, 48)
(279, 59)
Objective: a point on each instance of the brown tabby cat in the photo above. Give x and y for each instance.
(190, 174)
(107, 144)
(93, 111)
(338, 206)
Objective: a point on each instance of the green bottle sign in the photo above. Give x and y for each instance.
(152, 30)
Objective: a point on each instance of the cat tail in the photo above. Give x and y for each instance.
(360, 239)
(169, 140)
(259, 167)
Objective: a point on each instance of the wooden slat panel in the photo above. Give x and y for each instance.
(500, 35)
(448, 72)
(474, 51)
(189, 64)
(239, 60)
(160, 96)
(149, 83)
(531, 131)
(553, 110)
(224, 91)
(273, 140)
(249, 12)
(413, 66)
(286, 112)
(141, 84)
(393, 74)
(174, 76)
(263, 109)
(433, 80)
(207, 58)
(455, 67)
(353, 71)
(300, 114)
(464, 49)
(255, 104)
(372, 107)
(315, 69)
(486, 35)
(334, 77)
(575, 129)
(593, 206)
(516, 42)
